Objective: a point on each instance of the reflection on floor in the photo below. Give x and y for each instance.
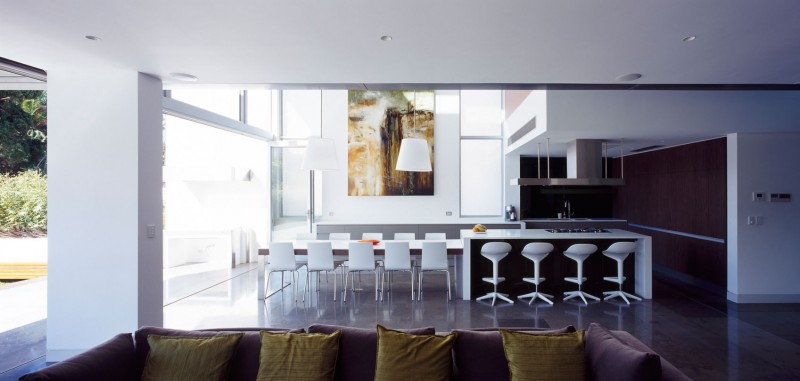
(702, 334)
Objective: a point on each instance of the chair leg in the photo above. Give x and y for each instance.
(412, 283)
(305, 291)
(266, 285)
(334, 284)
(449, 296)
(346, 275)
(419, 285)
(376, 287)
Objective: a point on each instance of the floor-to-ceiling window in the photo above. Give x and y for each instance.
(216, 182)
(300, 117)
(481, 153)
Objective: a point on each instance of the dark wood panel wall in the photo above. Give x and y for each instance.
(680, 189)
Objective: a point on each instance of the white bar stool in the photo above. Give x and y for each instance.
(536, 252)
(578, 253)
(618, 251)
(495, 251)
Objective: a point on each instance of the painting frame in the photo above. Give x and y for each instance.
(378, 120)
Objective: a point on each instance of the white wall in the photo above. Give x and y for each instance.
(393, 209)
(103, 189)
(763, 260)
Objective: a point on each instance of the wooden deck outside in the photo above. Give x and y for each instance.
(22, 271)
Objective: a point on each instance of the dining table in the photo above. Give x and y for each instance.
(455, 248)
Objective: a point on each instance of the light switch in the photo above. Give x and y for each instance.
(780, 197)
(751, 220)
(448, 213)
(151, 231)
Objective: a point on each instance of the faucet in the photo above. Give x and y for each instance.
(567, 209)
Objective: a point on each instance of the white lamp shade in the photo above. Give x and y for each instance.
(414, 156)
(320, 155)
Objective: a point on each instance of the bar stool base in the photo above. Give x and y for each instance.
(494, 296)
(571, 294)
(622, 294)
(537, 295)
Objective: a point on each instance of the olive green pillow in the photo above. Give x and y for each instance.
(298, 356)
(402, 356)
(544, 357)
(189, 358)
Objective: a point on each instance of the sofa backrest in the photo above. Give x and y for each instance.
(357, 350)
(478, 353)
(244, 365)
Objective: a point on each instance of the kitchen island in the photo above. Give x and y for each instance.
(474, 266)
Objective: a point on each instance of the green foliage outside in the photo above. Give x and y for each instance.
(23, 204)
(23, 131)
(23, 163)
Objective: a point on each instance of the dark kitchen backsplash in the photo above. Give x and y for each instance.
(548, 201)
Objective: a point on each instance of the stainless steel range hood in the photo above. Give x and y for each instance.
(584, 167)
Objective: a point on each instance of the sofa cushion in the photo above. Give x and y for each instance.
(402, 356)
(189, 358)
(544, 357)
(245, 360)
(478, 353)
(610, 358)
(358, 348)
(298, 356)
(112, 360)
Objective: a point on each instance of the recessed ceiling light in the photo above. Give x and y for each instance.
(386, 38)
(93, 38)
(184, 77)
(689, 38)
(629, 77)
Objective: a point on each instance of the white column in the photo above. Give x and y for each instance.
(104, 189)
(762, 257)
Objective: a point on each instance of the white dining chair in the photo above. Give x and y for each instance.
(360, 257)
(281, 259)
(443, 237)
(320, 258)
(375, 236)
(339, 236)
(404, 236)
(435, 236)
(397, 258)
(434, 258)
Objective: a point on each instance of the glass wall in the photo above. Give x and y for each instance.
(215, 184)
(300, 117)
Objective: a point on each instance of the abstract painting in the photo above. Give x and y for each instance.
(377, 123)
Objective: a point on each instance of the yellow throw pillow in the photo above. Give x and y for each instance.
(544, 357)
(298, 356)
(189, 358)
(404, 357)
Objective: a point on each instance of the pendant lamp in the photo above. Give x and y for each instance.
(414, 154)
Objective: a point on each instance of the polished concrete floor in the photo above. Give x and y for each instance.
(696, 329)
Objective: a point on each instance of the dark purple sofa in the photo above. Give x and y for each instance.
(477, 355)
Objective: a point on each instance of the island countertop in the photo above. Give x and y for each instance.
(544, 234)
(642, 256)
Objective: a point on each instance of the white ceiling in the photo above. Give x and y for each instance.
(466, 43)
